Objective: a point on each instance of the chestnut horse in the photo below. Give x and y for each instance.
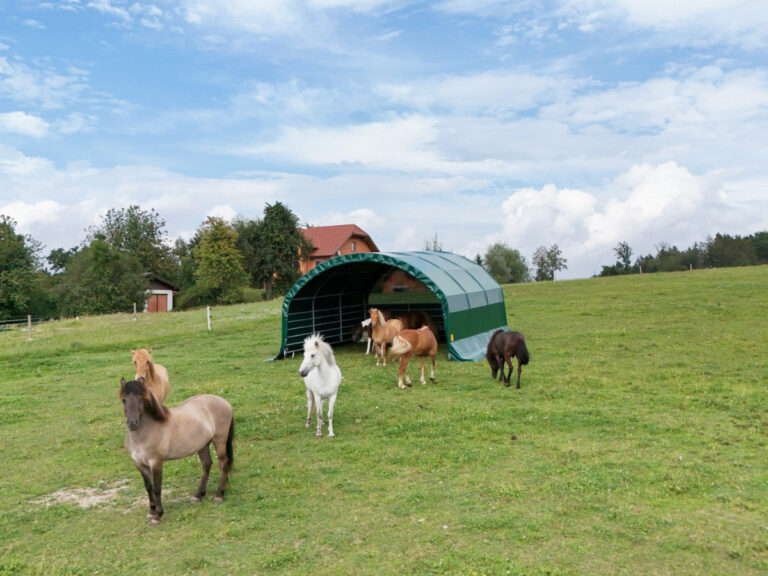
(155, 433)
(383, 332)
(420, 343)
(502, 347)
(155, 376)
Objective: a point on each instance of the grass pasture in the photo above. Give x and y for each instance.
(638, 445)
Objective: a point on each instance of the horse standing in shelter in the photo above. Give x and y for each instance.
(383, 333)
(155, 376)
(414, 319)
(155, 434)
(502, 347)
(322, 378)
(408, 343)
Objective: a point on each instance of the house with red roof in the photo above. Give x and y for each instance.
(331, 241)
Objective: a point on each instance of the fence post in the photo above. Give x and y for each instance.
(208, 314)
(29, 326)
(134, 311)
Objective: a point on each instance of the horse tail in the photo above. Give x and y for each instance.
(523, 354)
(230, 450)
(399, 346)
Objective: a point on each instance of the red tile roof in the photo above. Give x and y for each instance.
(329, 239)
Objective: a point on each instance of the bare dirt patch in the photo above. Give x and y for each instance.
(84, 497)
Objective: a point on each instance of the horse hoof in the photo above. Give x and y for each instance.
(218, 499)
(331, 435)
(154, 521)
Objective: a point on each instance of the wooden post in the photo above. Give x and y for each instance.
(29, 327)
(208, 314)
(134, 311)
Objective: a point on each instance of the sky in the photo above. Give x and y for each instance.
(581, 123)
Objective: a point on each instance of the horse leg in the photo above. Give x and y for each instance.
(157, 490)
(310, 401)
(423, 381)
(383, 354)
(401, 372)
(225, 465)
(205, 460)
(500, 365)
(319, 415)
(146, 475)
(432, 372)
(508, 360)
(331, 402)
(518, 374)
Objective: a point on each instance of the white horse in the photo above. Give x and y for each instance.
(322, 378)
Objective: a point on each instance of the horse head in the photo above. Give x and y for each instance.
(142, 362)
(316, 351)
(132, 394)
(377, 317)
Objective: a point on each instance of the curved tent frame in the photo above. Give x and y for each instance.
(334, 296)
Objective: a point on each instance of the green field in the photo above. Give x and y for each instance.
(637, 445)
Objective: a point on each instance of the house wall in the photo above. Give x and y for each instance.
(352, 245)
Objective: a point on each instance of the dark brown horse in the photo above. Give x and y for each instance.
(155, 434)
(502, 347)
(415, 319)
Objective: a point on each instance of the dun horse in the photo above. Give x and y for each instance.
(502, 347)
(155, 433)
(322, 378)
(383, 333)
(155, 376)
(408, 343)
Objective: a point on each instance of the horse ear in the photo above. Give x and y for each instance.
(133, 351)
(141, 380)
(149, 350)
(122, 381)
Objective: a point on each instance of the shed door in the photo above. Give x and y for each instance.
(157, 303)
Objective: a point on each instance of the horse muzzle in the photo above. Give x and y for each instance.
(304, 371)
(133, 425)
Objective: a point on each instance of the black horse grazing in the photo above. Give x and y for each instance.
(501, 348)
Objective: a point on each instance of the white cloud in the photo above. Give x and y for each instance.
(106, 7)
(46, 88)
(22, 123)
(492, 92)
(223, 211)
(398, 144)
(684, 22)
(649, 204)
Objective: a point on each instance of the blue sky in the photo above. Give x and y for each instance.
(577, 122)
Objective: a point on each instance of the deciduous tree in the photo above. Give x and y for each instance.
(506, 265)
(548, 261)
(18, 265)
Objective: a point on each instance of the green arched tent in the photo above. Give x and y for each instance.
(467, 304)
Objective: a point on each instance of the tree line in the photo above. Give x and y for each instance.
(720, 251)
(225, 262)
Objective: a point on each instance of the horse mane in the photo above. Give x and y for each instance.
(152, 406)
(325, 349)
